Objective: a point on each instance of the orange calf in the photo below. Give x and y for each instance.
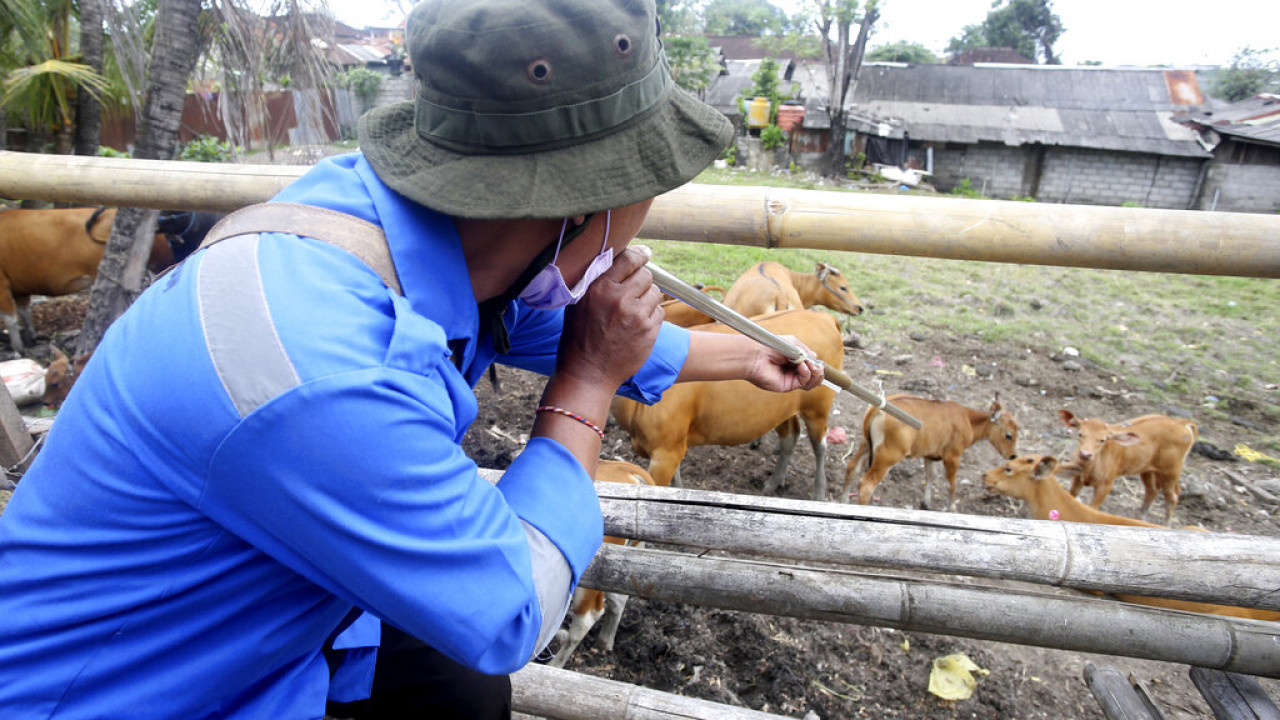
(770, 287)
(1031, 478)
(948, 430)
(589, 606)
(736, 412)
(1153, 447)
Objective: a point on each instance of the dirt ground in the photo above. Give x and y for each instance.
(826, 670)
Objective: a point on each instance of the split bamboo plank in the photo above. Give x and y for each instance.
(1144, 239)
(563, 695)
(1241, 570)
(1234, 697)
(1063, 622)
(1117, 697)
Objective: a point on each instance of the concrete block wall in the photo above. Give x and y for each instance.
(1099, 177)
(1242, 188)
(998, 166)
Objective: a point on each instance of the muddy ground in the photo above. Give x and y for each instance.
(808, 668)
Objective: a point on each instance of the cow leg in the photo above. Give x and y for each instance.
(1101, 489)
(13, 325)
(851, 470)
(952, 466)
(880, 465)
(1149, 492)
(927, 502)
(817, 429)
(788, 433)
(664, 465)
(27, 327)
(1077, 484)
(583, 615)
(614, 603)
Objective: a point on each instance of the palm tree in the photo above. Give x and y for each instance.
(39, 70)
(121, 271)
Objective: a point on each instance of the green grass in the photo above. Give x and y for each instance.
(1193, 335)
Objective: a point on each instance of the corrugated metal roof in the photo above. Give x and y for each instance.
(1102, 108)
(1256, 119)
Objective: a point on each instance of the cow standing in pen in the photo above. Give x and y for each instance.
(1153, 447)
(770, 287)
(948, 429)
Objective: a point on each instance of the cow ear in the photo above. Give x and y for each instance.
(996, 408)
(1125, 438)
(1068, 418)
(1045, 467)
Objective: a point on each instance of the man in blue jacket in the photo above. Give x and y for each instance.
(267, 444)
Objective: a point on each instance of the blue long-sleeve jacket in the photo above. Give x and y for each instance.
(267, 439)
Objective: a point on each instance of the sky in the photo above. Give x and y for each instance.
(1115, 32)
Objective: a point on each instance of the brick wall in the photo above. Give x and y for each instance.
(994, 166)
(1099, 177)
(1068, 175)
(1242, 188)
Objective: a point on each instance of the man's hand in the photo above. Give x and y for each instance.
(771, 370)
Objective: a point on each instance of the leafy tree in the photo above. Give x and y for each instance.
(904, 52)
(1251, 72)
(39, 72)
(693, 65)
(766, 83)
(678, 17)
(743, 17)
(843, 63)
(1028, 26)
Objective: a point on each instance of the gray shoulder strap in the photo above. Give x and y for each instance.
(362, 239)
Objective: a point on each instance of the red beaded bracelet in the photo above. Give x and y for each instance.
(575, 416)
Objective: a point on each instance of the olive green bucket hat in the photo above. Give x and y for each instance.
(539, 109)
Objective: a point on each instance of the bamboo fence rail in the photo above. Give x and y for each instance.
(563, 695)
(1242, 570)
(1177, 241)
(1064, 622)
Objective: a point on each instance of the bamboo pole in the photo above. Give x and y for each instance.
(1176, 241)
(1074, 623)
(564, 695)
(1241, 570)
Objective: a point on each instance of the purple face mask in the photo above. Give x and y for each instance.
(548, 291)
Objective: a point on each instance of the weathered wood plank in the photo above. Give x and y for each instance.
(1240, 570)
(1148, 239)
(15, 440)
(1054, 621)
(1232, 696)
(563, 695)
(1116, 696)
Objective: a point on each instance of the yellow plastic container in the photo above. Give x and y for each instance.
(758, 112)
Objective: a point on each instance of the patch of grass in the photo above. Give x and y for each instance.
(1192, 335)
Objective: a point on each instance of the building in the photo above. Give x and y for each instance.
(1244, 137)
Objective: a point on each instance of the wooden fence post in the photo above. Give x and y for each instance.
(15, 440)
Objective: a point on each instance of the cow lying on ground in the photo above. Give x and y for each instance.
(1153, 447)
(591, 606)
(736, 412)
(1032, 478)
(57, 251)
(771, 287)
(948, 430)
(60, 376)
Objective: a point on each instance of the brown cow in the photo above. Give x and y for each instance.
(771, 287)
(51, 252)
(948, 430)
(1031, 478)
(677, 312)
(734, 412)
(590, 606)
(1153, 447)
(60, 376)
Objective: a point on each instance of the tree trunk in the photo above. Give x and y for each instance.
(88, 109)
(120, 274)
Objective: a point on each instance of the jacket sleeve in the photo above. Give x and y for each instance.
(357, 482)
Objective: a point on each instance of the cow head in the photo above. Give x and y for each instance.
(837, 295)
(1093, 436)
(1002, 431)
(1019, 477)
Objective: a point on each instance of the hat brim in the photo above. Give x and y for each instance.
(653, 153)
